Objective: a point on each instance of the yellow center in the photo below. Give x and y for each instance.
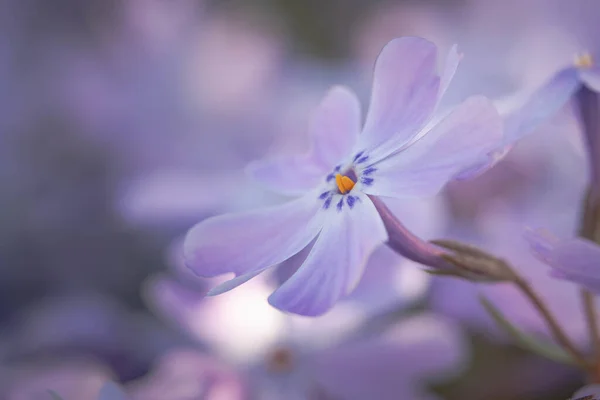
(584, 60)
(344, 183)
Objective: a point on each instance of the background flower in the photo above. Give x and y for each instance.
(122, 123)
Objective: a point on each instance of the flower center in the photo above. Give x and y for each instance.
(584, 60)
(280, 360)
(344, 183)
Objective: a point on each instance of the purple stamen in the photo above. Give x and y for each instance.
(367, 181)
(340, 204)
(327, 203)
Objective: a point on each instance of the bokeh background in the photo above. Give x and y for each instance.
(125, 122)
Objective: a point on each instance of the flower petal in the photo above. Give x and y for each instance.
(336, 263)
(291, 175)
(405, 89)
(575, 260)
(232, 283)
(473, 129)
(540, 105)
(110, 391)
(591, 78)
(247, 243)
(334, 128)
(524, 117)
(452, 60)
(485, 163)
(394, 365)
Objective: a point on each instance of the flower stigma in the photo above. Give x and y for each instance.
(584, 60)
(344, 183)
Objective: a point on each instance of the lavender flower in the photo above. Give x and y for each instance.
(186, 374)
(576, 260)
(523, 114)
(502, 234)
(287, 356)
(392, 157)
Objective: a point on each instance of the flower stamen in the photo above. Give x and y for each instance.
(344, 183)
(584, 60)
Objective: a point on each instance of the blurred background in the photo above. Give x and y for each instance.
(125, 122)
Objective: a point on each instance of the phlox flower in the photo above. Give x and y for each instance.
(398, 153)
(574, 259)
(288, 356)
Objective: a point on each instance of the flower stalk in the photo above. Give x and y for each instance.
(588, 106)
(453, 258)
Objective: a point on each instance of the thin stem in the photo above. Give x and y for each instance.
(403, 242)
(589, 230)
(555, 329)
(589, 305)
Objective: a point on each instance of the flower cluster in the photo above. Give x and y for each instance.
(192, 209)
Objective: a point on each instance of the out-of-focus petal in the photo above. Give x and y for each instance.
(591, 78)
(334, 128)
(391, 367)
(242, 324)
(473, 129)
(540, 105)
(336, 262)
(187, 374)
(179, 196)
(247, 243)
(71, 379)
(576, 260)
(289, 175)
(541, 242)
(524, 116)
(110, 391)
(405, 89)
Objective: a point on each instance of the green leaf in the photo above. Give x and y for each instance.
(528, 342)
(54, 395)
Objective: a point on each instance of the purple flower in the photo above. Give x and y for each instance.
(393, 156)
(575, 259)
(187, 374)
(523, 115)
(71, 379)
(292, 357)
(501, 234)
